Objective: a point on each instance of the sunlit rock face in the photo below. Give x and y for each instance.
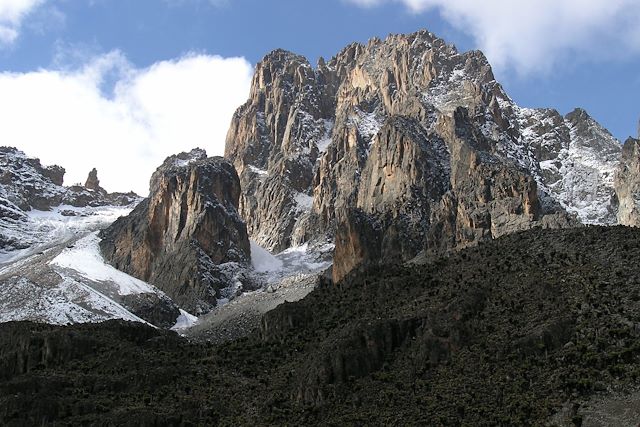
(419, 141)
(627, 182)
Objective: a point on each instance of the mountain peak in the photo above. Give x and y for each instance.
(333, 138)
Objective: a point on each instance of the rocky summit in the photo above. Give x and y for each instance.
(406, 145)
(187, 238)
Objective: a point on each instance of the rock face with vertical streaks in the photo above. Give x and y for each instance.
(406, 145)
(627, 183)
(187, 238)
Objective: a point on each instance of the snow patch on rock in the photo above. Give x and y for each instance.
(368, 124)
(262, 260)
(84, 257)
(184, 321)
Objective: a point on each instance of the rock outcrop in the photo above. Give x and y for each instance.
(93, 183)
(577, 160)
(416, 139)
(27, 184)
(187, 238)
(627, 184)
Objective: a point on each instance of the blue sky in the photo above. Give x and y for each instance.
(136, 76)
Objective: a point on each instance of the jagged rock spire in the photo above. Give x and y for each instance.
(93, 183)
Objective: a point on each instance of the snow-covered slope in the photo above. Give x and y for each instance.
(61, 277)
(51, 269)
(35, 231)
(83, 260)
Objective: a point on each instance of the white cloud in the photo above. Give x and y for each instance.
(12, 13)
(534, 35)
(122, 120)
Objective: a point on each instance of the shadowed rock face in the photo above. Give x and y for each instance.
(627, 183)
(186, 237)
(415, 138)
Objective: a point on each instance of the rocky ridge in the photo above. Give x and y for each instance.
(27, 186)
(187, 238)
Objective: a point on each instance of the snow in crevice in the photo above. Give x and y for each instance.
(304, 202)
(262, 260)
(262, 173)
(308, 131)
(326, 140)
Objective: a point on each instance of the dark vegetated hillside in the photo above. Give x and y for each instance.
(504, 333)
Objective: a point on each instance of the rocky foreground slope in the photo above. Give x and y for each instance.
(406, 145)
(532, 328)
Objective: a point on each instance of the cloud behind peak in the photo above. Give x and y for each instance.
(123, 120)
